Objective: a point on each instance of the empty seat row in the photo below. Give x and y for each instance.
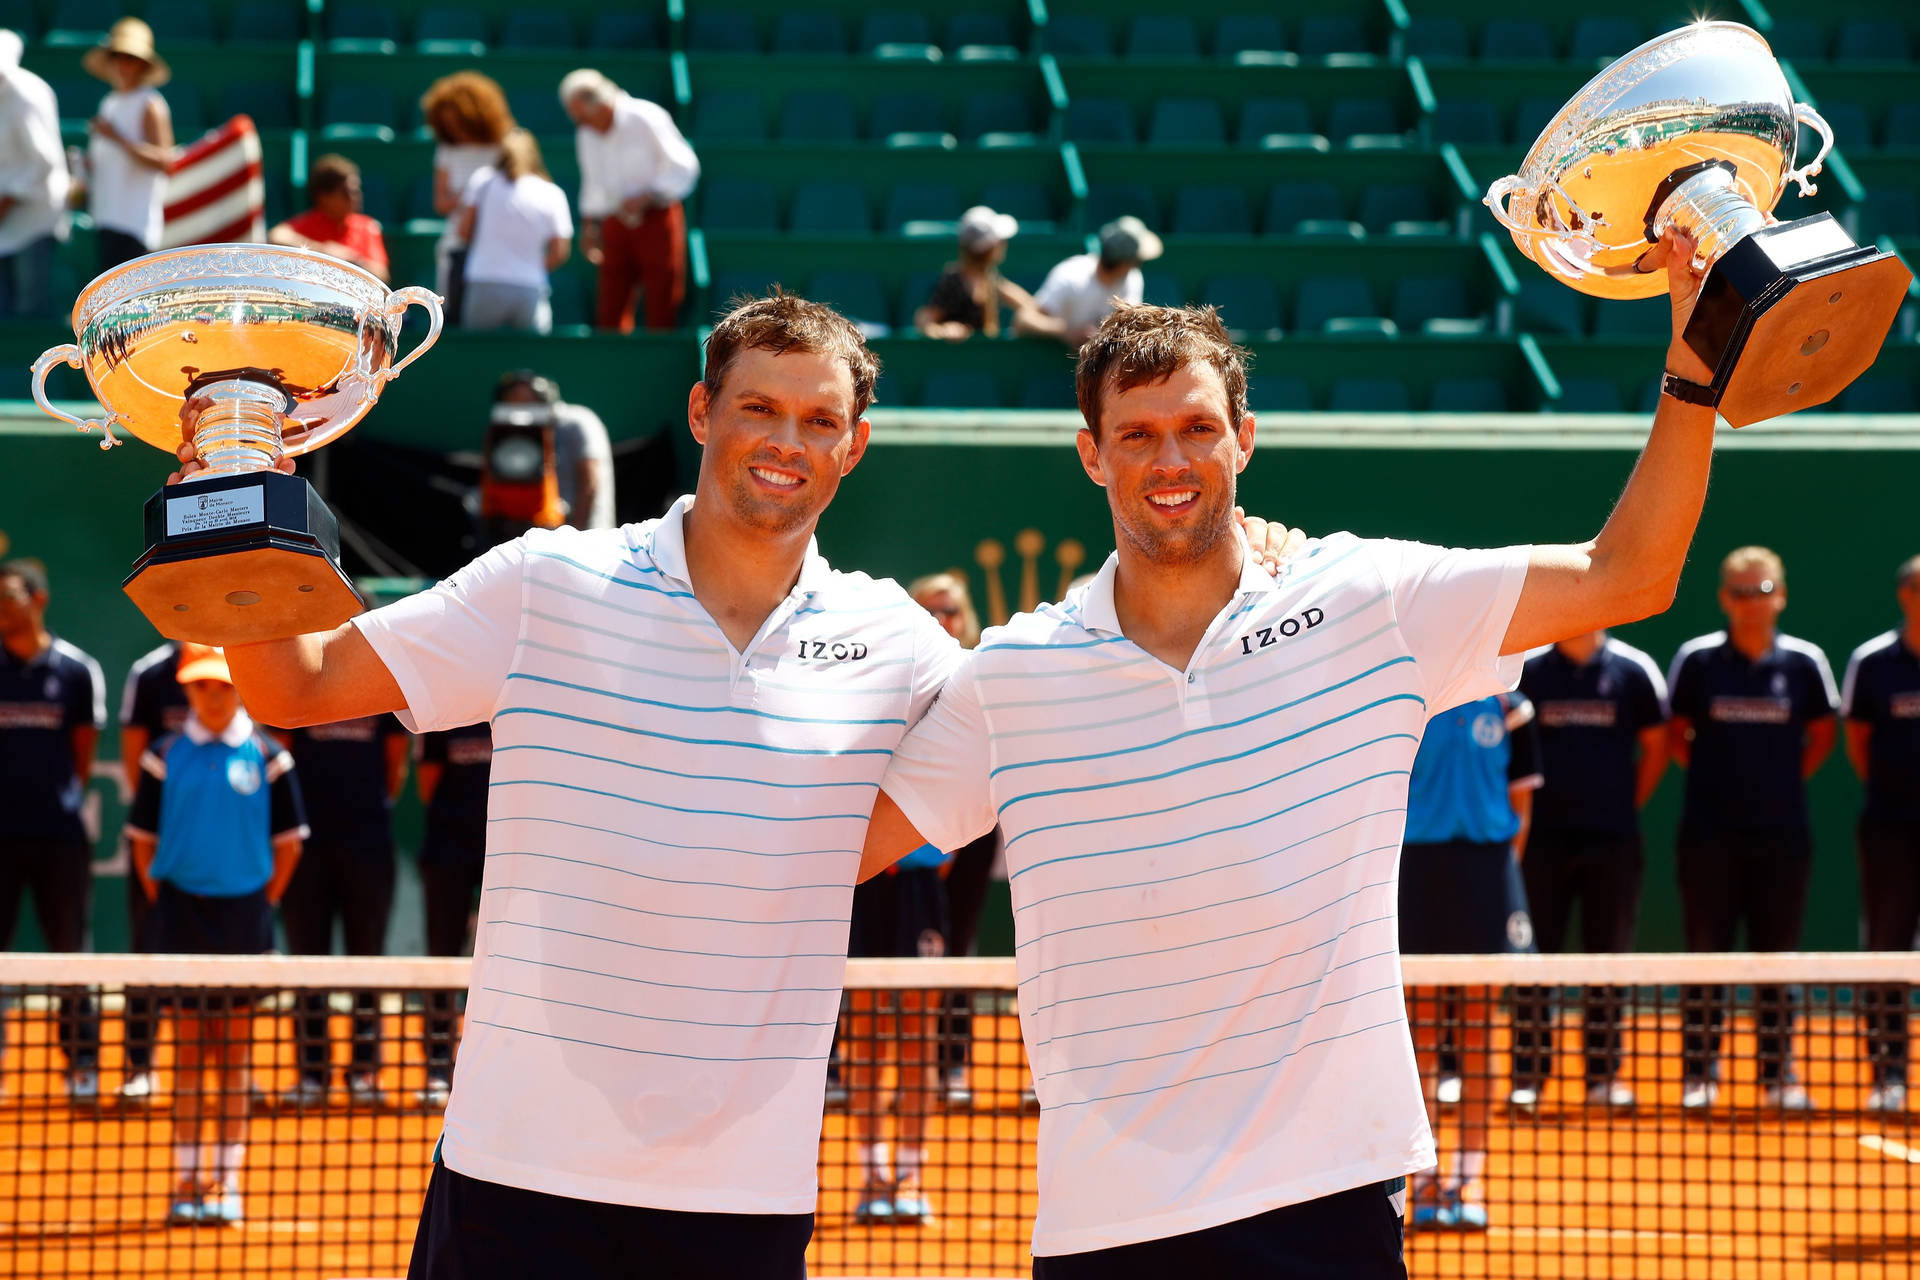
(467, 32)
(1445, 38)
(1244, 37)
(271, 105)
(1547, 307)
(1291, 208)
(175, 22)
(1262, 122)
(1347, 306)
(1850, 40)
(1855, 128)
(1478, 122)
(964, 34)
(832, 207)
(826, 115)
(371, 111)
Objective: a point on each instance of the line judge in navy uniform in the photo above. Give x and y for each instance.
(1880, 698)
(1601, 708)
(152, 705)
(1753, 719)
(1468, 804)
(350, 772)
(451, 769)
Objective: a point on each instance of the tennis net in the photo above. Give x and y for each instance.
(1796, 1162)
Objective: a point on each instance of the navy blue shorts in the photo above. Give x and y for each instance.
(191, 924)
(1462, 898)
(1350, 1235)
(476, 1230)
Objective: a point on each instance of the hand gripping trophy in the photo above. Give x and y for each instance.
(251, 352)
(1695, 129)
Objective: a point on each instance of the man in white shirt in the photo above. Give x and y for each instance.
(33, 185)
(635, 170)
(1201, 778)
(1082, 290)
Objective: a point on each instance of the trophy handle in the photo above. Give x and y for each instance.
(1582, 243)
(397, 303)
(1496, 200)
(1806, 115)
(68, 354)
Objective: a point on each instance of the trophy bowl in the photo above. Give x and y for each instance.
(251, 352)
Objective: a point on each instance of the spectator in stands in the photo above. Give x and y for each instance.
(1079, 292)
(1753, 719)
(52, 705)
(334, 225)
(1601, 708)
(582, 452)
(132, 146)
(350, 773)
(451, 771)
(215, 829)
(1881, 700)
(1469, 800)
(635, 170)
(969, 294)
(468, 116)
(517, 228)
(33, 185)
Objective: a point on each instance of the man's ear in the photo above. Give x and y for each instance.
(697, 404)
(1090, 456)
(862, 432)
(1244, 438)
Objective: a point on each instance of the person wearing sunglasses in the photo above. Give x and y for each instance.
(1753, 719)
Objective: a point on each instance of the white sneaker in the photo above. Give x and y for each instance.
(1698, 1095)
(83, 1085)
(1609, 1093)
(140, 1086)
(1447, 1092)
(1891, 1096)
(435, 1096)
(1790, 1096)
(1524, 1098)
(307, 1093)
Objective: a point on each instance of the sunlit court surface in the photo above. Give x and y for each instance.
(1576, 1188)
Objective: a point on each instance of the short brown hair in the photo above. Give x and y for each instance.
(476, 104)
(783, 322)
(1136, 345)
(330, 173)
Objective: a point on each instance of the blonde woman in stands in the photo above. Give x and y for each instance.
(968, 296)
(518, 228)
(132, 145)
(468, 116)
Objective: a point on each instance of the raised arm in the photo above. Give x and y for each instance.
(314, 679)
(1632, 568)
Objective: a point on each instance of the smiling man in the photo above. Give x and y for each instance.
(1201, 777)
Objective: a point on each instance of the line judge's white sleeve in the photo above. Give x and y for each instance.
(1453, 608)
(451, 646)
(939, 772)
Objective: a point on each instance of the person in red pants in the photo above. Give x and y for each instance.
(635, 169)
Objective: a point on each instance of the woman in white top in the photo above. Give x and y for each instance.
(132, 145)
(468, 116)
(517, 228)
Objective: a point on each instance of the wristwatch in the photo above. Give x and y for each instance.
(1689, 392)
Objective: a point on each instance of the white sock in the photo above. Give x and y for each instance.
(875, 1158)
(231, 1156)
(1472, 1166)
(906, 1165)
(186, 1159)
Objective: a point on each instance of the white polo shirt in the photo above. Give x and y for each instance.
(673, 834)
(1204, 867)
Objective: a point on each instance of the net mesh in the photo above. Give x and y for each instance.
(1799, 1160)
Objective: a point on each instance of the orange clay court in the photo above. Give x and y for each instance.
(1575, 1192)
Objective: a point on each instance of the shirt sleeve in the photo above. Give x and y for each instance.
(450, 647)
(1523, 742)
(560, 217)
(596, 201)
(1684, 697)
(286, 810)
(1646, 695)
(936, 656)
(87, 697)
(1053, 290)
(132, 704)
(1856, 701)
(143, 815)
(677, 168)
(939, 772)
(1822, 696)
(1452, 608)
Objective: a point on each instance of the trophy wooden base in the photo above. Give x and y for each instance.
(235, 559)
(1791, 315)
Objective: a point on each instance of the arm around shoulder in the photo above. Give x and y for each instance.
(314, 679)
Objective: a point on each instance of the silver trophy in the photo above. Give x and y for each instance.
(1696, 129)
(249, 351)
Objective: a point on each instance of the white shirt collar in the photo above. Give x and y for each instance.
(668, 547)
(1097, 612)
(238, 730)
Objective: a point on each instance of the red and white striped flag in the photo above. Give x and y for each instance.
(215, 190)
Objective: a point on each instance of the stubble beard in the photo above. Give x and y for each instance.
(1176, 547)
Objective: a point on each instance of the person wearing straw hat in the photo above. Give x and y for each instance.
(968, 296)
(132, 145)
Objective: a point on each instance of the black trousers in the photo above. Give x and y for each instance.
(1601, 871)
(60, 875)
(1350, 1235)
(449, 886)
(355, 888)
(475, 1230)
(1727, 878)
(966, 894)
(1890, 903)
(116, 247)
(138, 1015)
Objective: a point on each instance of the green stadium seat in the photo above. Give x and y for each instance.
(720, 31)
(1880, 395)
(922, 202)
(1385, 204)
(539, 112)
(818, 115)
(914, 291)
(1467, 121)
(1331, 35)
(728, 285)
(617, 29)
(570, 299)
(538, 29)
(420, 200)
(1349, 118)
(729, 115)
(1247, 304)
(907, 113)
(1369, 395)
(358, 111)
(189, 116)
(1852, 127)
(1211, 210)
(1361, 327)
(78, 98)
(1293, 205)
(1798, 38)
(739, 204)
(1902, 129)
(1048, 391)
(1437, 39)
(887, 27)
(829, 206)
(1100, 120)
(960, 389)
(804, 32)
(1002, 114)
(1186, 122)
(1604, 39)
(1547, 306)
(1469, 395)
(1871, 40)
(1161, 289)
(271, 106)
(1152, 35)
(1079, 35)
(1419, 299)
(1531, 118)
(18, 17)
(178, 22)
(1030, 202)
(1320, 299)
(460, 33)
(1284, 395)
(363, 28)
(857, 295)
(1515, 40)
(991, 34)
(1888, 211)
(265, 22)
(1276, 123)
(1109, 200)
(1589, 395)
(1249, 36)
(1645, 318)
(376, 199)
(81, 22)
